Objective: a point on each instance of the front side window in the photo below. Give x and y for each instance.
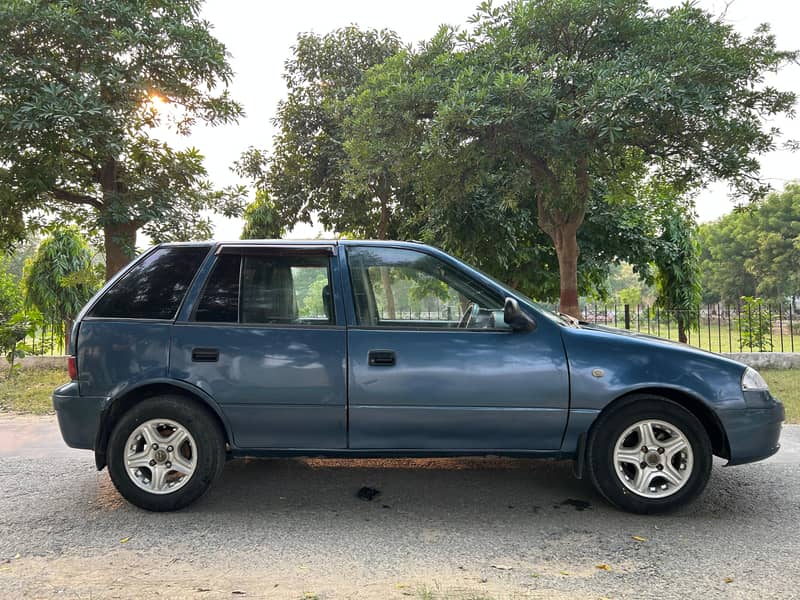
(253, 289)
(393, 287)
(154, 287)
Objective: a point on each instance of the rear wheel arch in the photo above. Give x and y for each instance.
(129, 398)
(701, 411)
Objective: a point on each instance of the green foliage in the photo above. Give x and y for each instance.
(77, 82)
(305, 174)
(10, 294)
(545, 111)
(677, 261)
(754, 251)
(61, 277)
(261, 219)
(755, 325)
(13, 332)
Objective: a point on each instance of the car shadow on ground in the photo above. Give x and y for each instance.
(451, 489)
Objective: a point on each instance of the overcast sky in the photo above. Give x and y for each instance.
(259, 35)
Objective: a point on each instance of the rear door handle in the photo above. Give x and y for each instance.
(205, 355)
(381, 358)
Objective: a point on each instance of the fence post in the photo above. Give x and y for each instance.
(627, 316)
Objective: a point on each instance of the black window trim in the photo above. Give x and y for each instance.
(276, 250)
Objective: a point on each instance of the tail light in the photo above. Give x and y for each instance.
(72, 367)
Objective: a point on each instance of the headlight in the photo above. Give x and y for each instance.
(752, 381)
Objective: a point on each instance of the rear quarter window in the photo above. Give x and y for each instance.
(154, 287)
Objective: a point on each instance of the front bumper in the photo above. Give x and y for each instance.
(78, 416)
(753, 433)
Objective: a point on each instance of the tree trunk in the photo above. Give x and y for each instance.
(681, 329)
(120, 242)
(560, 216)
(565, 239)
(67, 332)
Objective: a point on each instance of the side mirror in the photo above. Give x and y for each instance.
(515, 318)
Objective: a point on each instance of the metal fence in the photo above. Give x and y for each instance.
(747, 327)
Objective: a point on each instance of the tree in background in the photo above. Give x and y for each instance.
(61, 277)
(13, 326)
(754, 251)
(83, 86)
(261, 219)
(542, 106)
(677, 277)
(304, 174)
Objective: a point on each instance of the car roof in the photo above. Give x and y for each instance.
(287, 242)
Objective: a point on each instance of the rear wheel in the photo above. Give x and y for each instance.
(648, 455)
(165, 452)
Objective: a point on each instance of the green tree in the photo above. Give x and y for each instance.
(544, 105)
(754, 251)
(13, 327)
(83, 86)
(678, 271)
(61, 277)
(261, 219)
(304, 175)
(10, 294)
(726, 247)
(776, 263)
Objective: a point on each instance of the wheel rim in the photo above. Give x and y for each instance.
(653, 458)
(160, 456)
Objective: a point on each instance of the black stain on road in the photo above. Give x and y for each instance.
(367, 493)
(579, 505)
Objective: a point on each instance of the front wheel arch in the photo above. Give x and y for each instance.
(710, 421)
(606, 472)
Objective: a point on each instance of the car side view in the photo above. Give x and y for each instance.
(200, 352)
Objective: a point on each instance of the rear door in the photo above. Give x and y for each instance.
(433, 365)
(265, 337)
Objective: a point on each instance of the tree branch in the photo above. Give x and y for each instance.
(73, 198)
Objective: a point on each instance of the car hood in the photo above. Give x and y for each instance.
(630, 360)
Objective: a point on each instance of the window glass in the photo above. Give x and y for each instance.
(220, 300)
(154, 287)
(405, 288)
(285, 289)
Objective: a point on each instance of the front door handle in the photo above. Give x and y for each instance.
(205, 355)
(381, 358)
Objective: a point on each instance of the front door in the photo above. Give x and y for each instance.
(433, 365)
(264, 341)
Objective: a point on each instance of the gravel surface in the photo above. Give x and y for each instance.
(443, 528)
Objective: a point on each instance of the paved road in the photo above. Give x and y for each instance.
(445, 528)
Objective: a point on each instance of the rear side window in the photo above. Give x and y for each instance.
(284, 290)
(154, 287)
(220, 300)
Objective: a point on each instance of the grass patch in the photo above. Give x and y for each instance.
(785, 386)
(30, 390)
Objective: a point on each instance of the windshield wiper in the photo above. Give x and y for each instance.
(569, 319)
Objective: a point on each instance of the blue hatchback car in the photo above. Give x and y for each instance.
(200, 352)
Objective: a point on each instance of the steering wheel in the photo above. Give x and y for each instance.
(470, 314)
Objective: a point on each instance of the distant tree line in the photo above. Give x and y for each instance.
(754, 251)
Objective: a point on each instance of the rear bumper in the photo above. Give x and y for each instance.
(753, 433)
(78, 416)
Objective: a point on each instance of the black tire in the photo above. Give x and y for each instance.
(608, 428)
(201, 425)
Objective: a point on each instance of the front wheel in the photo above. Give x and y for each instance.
(649, 455)
(164, 453)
